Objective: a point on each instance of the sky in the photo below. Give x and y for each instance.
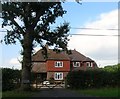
(97, 15)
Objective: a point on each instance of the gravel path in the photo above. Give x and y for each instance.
(58, 92)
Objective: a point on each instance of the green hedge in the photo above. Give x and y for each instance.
(10, 79)
(92, 79)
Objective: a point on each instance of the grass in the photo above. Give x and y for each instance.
(0, 94)
(102, 92)
(17, 93)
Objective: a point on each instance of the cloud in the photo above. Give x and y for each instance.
(98, 47)
(37, 48)
(14, 61)
(102, 62)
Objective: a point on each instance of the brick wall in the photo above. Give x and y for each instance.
(51, 66)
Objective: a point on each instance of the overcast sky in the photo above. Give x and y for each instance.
(96, 15)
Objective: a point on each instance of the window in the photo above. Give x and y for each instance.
(38, 75)
(76, 64)
(58, 76)
(89, 64)
(58, 64)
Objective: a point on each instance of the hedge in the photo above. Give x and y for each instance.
(10, 79)
(92, 79)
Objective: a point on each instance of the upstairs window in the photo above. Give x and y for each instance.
(58, 64)
(89, 64)
(76, 64)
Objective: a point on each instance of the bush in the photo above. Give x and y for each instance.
(10, 79)
(92, 79)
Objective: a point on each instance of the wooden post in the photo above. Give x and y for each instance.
(65, 83)
(36, 80)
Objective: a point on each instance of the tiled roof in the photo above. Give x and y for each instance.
(38, 56)
(57, 55)
(87, 59)
(76, 56)
(39, 67)
(52, 55)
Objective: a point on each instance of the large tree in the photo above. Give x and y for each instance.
(30, 25)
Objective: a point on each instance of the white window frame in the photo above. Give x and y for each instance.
(57, 64)
(58, 75)
(75, 64)
(90, 64)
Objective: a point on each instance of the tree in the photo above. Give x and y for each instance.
(33, 28)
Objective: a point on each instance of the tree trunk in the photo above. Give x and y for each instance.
(26, 65)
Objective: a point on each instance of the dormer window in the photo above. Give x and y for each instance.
(76, 64)
(58, 64)
(89, 64)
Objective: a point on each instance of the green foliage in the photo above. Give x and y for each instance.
(17, 94)
(93, 79)
(10, 79)
(113, 68)
(102, 92)
(36, 18)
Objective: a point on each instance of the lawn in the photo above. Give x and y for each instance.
(16, 93)
(102, 92)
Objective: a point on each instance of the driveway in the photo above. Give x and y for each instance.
(58, 92)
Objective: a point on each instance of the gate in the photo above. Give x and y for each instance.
(49, 84)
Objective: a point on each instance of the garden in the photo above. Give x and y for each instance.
(103, 82)
(100, 82)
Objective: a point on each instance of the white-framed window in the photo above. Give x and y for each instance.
(58, 76)
(89, 64)
(58, 64)
(76, 64)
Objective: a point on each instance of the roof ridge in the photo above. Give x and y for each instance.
(62, 55)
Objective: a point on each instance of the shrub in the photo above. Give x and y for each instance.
(10, 79)
(92, 79)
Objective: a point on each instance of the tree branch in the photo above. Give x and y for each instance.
(16, 24)
(36, 19)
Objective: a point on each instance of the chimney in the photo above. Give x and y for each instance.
(74, 49)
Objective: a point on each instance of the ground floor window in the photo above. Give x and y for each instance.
(58, 76)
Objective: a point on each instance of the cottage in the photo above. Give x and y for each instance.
(57, 65)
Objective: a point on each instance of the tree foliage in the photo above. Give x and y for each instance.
(36, 17)
(113, 68)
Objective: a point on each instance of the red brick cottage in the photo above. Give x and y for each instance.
(57, 65)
